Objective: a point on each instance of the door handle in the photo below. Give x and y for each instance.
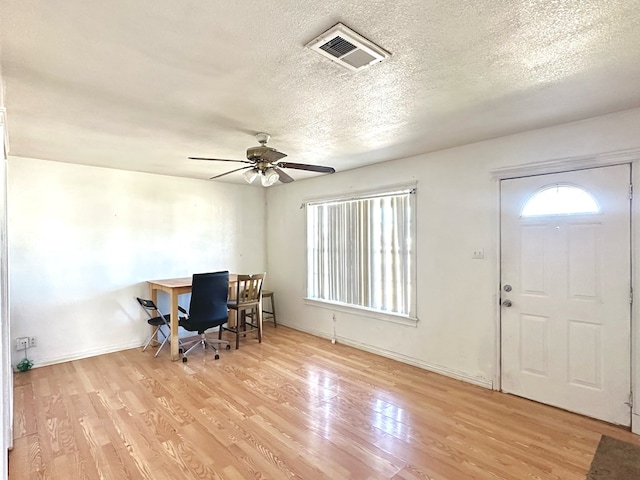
(507, 303)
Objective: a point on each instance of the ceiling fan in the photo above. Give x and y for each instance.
(265, 162)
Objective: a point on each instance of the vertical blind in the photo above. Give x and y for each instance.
(361, 251)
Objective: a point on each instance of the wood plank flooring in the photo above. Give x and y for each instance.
(293, 407)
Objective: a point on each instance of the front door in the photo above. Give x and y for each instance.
(566, 290)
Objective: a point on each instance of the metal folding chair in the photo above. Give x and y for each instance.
(157, 320)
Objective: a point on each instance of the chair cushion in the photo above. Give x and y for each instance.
(233, 304)
(200, 327)
(157, 321)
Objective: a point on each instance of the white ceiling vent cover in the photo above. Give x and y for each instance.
(347, 48)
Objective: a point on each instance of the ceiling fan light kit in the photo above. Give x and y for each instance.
(250, 175)
(269, 177)
(265, 161)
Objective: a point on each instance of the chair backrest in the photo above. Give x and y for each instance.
(248, 289)
(209, 292)
(151, 309)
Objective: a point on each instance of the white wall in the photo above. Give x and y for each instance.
(83, 241)
(6, 376)
(457, 210)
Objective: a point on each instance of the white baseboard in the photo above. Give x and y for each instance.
(86, 354)
(635, 423)
(447, 372)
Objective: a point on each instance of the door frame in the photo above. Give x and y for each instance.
(569, 164)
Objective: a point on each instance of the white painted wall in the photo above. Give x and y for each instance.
(83, 241)
(6, 376)
(457, 210)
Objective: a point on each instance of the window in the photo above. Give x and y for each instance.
(560, 200)
(360, 251)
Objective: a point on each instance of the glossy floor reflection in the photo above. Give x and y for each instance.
(296, 407)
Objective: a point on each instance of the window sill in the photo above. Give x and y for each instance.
(363, 312)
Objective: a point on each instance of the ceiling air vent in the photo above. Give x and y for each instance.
(347, 48)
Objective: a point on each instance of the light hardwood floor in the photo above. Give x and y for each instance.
(295, 406)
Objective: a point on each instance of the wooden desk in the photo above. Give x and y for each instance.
(175, 287)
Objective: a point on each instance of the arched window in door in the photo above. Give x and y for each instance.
(560, 199)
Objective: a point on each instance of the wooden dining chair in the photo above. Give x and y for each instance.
(245, 299)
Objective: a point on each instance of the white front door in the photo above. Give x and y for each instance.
(565, 280)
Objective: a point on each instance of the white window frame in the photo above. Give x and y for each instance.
(410, 316)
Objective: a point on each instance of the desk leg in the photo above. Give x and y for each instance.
(175, 342)
(154, 298)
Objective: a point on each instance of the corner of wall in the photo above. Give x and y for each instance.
(6, 373)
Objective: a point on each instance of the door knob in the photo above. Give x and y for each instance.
(507, 303)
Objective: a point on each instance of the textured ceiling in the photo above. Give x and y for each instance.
(143, 85)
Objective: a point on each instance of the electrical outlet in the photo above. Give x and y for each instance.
(333, 339)
(22, 343)
(32, 342)
(478, 254)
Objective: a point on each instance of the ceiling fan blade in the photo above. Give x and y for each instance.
(219, 159)
(272, 156)
(227, 173)
(284, 178)
(304, 166)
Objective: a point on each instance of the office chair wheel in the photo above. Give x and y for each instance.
(228, 347)
(216, 357)
(184, 359)
(180, 350)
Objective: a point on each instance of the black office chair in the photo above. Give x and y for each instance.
(208, 309)
(158, 320)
